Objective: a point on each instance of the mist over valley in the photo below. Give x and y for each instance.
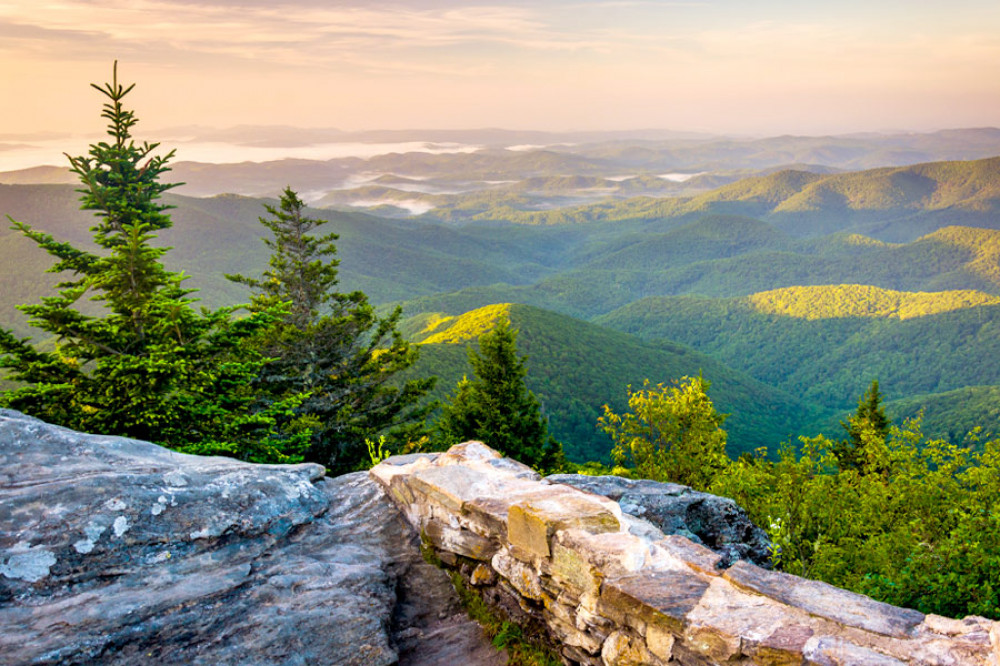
(662, 240)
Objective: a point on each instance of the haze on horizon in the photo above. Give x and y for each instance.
(717, 66)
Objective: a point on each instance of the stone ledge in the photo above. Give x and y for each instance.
(613, 590)
(532, 520)
(826, 601)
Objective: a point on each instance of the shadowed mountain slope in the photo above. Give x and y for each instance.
(575, 368)
(817, 342)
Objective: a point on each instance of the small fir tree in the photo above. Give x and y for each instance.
(146, 365)
(331, 346)
(864, 449)
(496, 408)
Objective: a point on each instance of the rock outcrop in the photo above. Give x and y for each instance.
(611, 589)
(708, 520)
(115, 551)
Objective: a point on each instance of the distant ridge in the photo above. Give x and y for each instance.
(856, 300)
(39, 175)
(890, 203)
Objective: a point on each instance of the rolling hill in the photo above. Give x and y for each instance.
(388, 259)
(825, 344)
(793, 283)
(953, 414)
(728, 257)
(894, 204)
(575, 367)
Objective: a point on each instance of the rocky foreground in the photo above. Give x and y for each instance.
(116, 551)
(611, 588)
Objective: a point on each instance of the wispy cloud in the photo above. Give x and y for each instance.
(297, 33)
(557, 63)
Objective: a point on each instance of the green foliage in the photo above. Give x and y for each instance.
(670, 433)
(953, 415)
(908, 520)
(301, 269)
(824, 359)
(330, 347)
(572, 387)
(921, 534)
(864, 450)
(497, 408)
(140, 361)
(377, 451)
(855, 300)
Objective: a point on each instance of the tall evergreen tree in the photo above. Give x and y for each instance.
(147, 365)
(331, 345)
(496, 408)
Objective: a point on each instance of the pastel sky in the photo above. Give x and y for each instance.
(733, 66)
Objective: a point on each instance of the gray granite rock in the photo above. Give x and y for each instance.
(716, 522)
(116, 551)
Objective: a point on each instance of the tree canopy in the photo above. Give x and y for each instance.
(330, 346)
(864, 448)
(138, 360)
(913, 523)
(496, 407)
(670, 433)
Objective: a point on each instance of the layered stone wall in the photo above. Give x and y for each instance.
(610, 588)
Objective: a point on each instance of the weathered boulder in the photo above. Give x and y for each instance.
(709, 520)
(116, 551)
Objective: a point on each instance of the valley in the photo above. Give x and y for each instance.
(785, 271)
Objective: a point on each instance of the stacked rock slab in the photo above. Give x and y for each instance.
(612, 589)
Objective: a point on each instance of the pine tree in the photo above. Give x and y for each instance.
(147, 365)
(497, 408)
(331, 345)
(867, 430)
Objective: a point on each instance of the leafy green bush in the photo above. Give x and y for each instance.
(908, 520)
(671, 433)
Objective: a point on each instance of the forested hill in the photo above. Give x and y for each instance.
(898, 203)
(973, 186)
(680, 270)
(388, 259)
(575, 368)
(725, 257)
(825, 343)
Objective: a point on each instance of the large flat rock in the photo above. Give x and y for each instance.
(116, 551)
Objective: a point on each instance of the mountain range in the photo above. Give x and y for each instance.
(790, 289)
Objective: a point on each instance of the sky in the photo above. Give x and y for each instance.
(749, 67)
